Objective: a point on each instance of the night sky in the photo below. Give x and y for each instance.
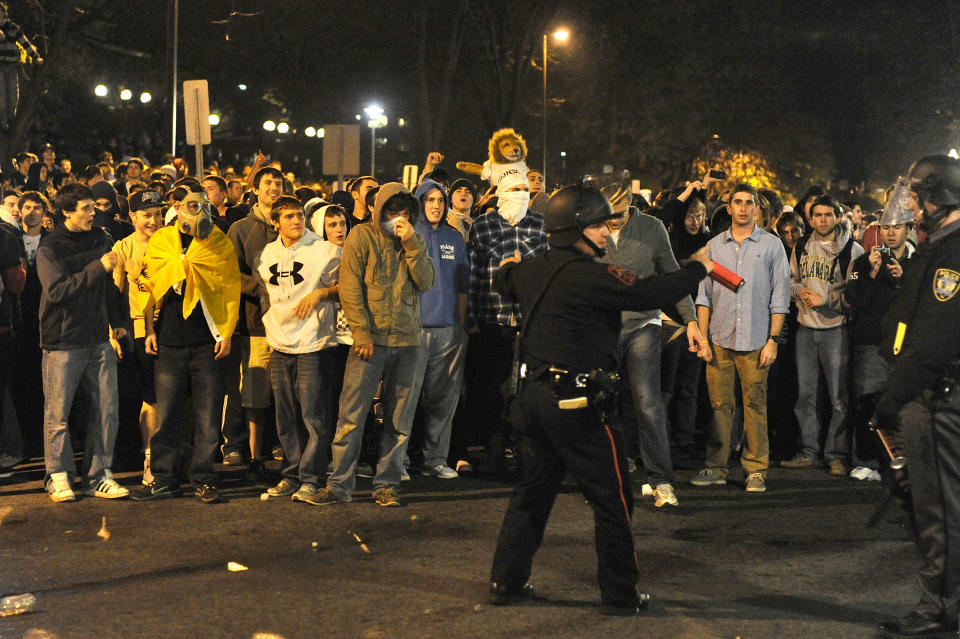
(825, 90)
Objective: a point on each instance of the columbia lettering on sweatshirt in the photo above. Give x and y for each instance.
(818, 269)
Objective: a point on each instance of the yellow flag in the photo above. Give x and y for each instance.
(208, 270)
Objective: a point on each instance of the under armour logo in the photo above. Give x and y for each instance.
(277, 273)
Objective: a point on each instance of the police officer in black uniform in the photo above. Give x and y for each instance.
(921, 398)
(569, 344)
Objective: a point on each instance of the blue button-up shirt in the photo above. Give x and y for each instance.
(741, 321)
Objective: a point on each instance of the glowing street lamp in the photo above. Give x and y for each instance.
(321, 132)
(375, 118)
(270, 126)
(560, 35)
(213, 119)
(310, 132)
(100, 91)
(125, 94)
(283, 128)
(145, 97)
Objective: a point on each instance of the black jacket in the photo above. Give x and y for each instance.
(577, 323)
(249, 236)
(928, 306)
(871, 297)
(79, 301)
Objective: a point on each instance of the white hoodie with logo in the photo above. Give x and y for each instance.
(288, 275)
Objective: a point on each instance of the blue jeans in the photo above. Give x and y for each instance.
(396, 366)
(828, 349)
(180, 369)
(95, 368)
(303, 397)
(439, 374)
(640, 361)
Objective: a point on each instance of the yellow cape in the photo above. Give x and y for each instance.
(209, 269)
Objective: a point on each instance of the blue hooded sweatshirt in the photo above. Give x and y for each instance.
(438, 306)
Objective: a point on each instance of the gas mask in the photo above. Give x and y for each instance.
(195, 217)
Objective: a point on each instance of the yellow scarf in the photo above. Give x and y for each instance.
(209, 269)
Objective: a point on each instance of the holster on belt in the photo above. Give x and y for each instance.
(596, 388)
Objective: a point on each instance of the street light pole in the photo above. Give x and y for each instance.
(374, 115)
(173, 80)
(543, 167)
(560, 35)
(373, 148)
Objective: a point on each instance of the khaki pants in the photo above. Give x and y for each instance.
(721, 377)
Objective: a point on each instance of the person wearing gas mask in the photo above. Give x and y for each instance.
(921, 398)
(385, 265)
(508, 229)
(572, 305)
(190, 270)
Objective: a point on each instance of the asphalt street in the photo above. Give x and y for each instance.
(796, 561)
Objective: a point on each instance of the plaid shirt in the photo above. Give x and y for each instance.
(491, 240)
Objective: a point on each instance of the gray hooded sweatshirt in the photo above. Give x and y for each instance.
(818, 269)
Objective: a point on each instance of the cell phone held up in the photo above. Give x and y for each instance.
(718, 174)
(886, 253)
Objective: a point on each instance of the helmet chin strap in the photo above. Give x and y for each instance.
(596, 249)
(931, 221)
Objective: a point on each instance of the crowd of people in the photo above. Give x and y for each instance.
(367, 318)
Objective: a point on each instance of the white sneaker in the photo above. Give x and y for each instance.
(873, 476)
(646, 490)
(404, 475)
(440, 472)
(107, 488)
(59, 488)
(860, 472)
(664, 496)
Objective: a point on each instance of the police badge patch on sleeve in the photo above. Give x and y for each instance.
(945, 284)
(622, 274)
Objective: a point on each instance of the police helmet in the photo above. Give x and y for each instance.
(571, 209)
(936, 179)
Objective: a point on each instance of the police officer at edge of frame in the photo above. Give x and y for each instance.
(571, 337)
(921, 397)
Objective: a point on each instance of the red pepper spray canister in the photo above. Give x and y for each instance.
(722, 275)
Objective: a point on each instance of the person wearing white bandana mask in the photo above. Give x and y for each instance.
(513, 197)
(510, 230)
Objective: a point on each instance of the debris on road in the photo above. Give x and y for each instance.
(360, 541)
(17, 604)
(103, 533)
